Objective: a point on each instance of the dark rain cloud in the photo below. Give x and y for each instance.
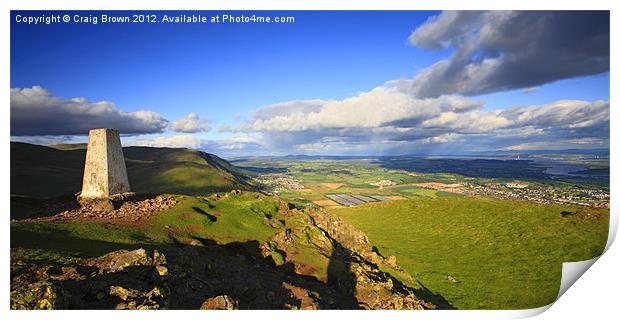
(36, 112)
(502, 50)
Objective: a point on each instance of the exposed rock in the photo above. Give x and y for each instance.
(222, 302)
(119, 260)
(345, 234)
(40, 295)
(131, 210)
(301, 294)
(194, 242)
(158, 258)
(99, 205)
(135, 299)
(391, 261)
(121, 279)
(162, 270)
(67, 272)
(122, 293)
(352, 264)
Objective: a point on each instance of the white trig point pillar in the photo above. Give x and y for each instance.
(105, 174)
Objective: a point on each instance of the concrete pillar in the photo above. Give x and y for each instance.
(105, 173)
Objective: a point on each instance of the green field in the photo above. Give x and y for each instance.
(502, 254)
(355, 177)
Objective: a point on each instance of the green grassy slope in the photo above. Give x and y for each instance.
(181, 171)
(239, 218)
(244, 218)
(504, 254)
(40, 172)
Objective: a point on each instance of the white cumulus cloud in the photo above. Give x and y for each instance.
(190, 124)
(177, 141)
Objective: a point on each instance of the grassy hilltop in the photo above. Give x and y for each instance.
(43, 172)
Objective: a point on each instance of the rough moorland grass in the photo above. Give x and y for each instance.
(235, 218)
(178, 177)
(504, 254)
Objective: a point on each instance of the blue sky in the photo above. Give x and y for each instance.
(208, 69)
(227, 75)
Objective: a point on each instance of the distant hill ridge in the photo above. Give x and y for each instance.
(41, 171)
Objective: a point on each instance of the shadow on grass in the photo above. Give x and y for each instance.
(25, 207)
(197, 272)
(211, 217)
(340, 276)
(423, 293)
(437, 299)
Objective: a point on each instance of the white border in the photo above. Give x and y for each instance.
(595, 295)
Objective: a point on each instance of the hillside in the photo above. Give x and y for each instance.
(44, 172)
(483, 253)
(236, 249)
(240, 250)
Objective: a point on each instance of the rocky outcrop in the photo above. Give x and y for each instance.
(128, 211)
(120, 280)
(118, 260)
(352, 263)
(135, 299)
(40, 295)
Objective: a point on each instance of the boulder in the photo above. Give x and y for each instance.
(222, 302)
(162, 270)
(122, 293)
(118, 260)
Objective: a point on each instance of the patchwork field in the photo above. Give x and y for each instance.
(332, 185)
(312, 183)
(326, 203)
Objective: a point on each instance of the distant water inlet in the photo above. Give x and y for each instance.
(572, 170)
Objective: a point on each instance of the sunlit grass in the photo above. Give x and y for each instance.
(504, 254)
